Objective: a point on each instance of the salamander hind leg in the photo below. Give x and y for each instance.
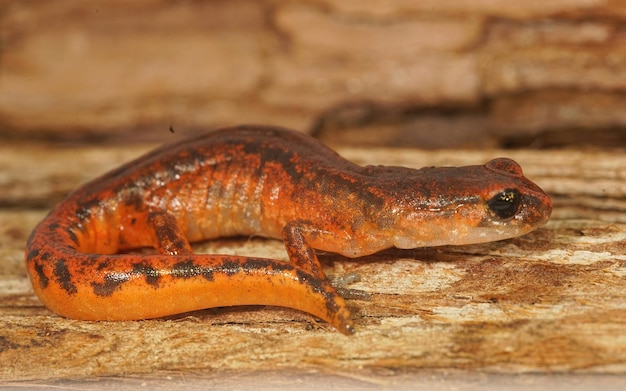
(169, 237)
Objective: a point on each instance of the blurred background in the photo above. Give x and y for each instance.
(431, 74)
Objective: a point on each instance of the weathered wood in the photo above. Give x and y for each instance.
(551, 301)
(72, 69)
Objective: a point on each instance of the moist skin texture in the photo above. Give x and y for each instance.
(257, 181)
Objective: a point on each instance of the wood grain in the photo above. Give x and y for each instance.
(105, 70)
(552, 301)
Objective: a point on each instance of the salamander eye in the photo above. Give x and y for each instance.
(505, 204)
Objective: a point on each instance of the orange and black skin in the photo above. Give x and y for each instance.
(257, 181)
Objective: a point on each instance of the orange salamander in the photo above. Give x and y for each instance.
(264, 181)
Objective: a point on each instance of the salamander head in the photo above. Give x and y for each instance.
(474, 204)
(518, 204)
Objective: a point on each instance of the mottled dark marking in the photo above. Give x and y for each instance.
(32, 254)
(270, 153)
(188, 269)
(86, 208)
(102, 265)
(43, 278)
(133, 199)
(195, 158)
(230, 267)
(168, 233)
(112, 282)
(64, 277)
(72, 236)
(261, 264)
(317, 285)
(151, 274)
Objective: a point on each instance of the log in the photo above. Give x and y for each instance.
(548, 302)
(80, 82)
(114, 71)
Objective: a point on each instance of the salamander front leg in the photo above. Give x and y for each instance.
(296, 235)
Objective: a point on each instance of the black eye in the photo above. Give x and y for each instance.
(505, 204)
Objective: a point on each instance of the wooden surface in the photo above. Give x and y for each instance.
(553, 301)
(489, 72)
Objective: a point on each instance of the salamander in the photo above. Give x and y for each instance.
(262, 181)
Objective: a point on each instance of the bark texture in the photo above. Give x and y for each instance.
(551, 301)
(428, 73)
